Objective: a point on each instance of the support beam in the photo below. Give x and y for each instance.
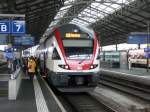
(12, 15)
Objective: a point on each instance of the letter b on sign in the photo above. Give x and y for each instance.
(4, 27)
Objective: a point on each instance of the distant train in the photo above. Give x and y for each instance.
(139, 58)
(119, 59)
(69, 58)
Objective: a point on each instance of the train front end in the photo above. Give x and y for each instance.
(78, 69)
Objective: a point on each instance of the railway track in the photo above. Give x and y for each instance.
(82, 102)
(114, 94)
(139, 88)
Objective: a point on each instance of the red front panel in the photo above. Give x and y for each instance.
(75, 64)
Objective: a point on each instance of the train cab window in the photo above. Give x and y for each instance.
(55, 54)
(83, 49)
(98, 55)
(81, 53)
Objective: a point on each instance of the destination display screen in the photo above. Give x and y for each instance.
(75, 35)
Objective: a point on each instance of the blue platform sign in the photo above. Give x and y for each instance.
(9, 53)
(28, 41)
(147, 49)
(23, 41)
(137, 39)
(148, 55)
(5, 27)
(18, 27)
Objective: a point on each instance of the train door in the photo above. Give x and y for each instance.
(45, 69)
(42, 64)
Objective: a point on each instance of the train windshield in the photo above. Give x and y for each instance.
(78, 49)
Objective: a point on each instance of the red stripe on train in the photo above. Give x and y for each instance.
(59, 40)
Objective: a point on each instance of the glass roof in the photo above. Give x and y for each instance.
(92, 13)
(97, 10)
(62, 12)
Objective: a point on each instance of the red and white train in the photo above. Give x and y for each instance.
(69, 58)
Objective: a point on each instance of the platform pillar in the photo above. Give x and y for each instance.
(116, 47)
(148, 30)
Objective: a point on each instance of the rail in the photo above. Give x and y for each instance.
(83, 102)
(136, 85)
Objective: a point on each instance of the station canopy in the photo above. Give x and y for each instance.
(112, 20)
(91, 12)
(38, 13)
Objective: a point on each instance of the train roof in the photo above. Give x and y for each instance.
(72, 27)
(75, 28)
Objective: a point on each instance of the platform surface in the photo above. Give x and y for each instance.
(133, 71)
(34, 96)
(25, 101)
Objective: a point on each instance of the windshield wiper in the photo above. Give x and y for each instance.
(84, 59)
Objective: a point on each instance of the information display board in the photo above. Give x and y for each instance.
(8, 53)
(147, 55)
(3, 39)
(12, 27)
(27, 41)
(112, 56)
(17, 41)
(23, 41)
(138, 38)
(147, 49)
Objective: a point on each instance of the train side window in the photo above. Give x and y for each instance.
(98, 55)
(55, 54)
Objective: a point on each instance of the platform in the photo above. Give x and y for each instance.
(133, 71)
(34, 96)
(25, 102)
(136, 75)
(128, 90)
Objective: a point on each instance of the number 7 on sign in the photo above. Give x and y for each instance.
(18, 27)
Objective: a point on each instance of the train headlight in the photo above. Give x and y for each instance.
(64, 66)
(93, 66)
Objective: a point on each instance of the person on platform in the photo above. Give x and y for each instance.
(31, 67)
(15, 64)
(25, 66)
